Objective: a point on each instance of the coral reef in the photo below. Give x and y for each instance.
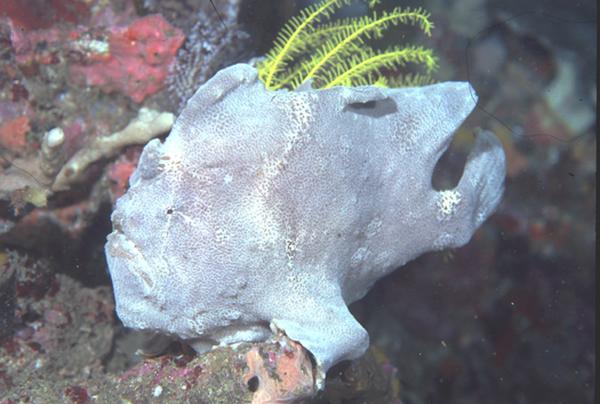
(36, 14)
(52, 154)
(146, 126)
(34, 179)
(54, 314)
(507, 318)
(134, 60)
(108, 53)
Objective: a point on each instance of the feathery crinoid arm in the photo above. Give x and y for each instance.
(288, 42)
(332, 53)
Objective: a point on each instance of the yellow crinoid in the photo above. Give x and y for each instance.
(332, 53)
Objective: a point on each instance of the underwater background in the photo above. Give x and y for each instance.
(508, 318)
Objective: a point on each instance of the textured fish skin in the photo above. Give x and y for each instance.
(276, 209)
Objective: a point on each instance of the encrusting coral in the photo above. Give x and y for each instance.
(148, 124)
(36, 178)
(52, 153)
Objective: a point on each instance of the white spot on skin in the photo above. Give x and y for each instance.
(359, 256)
(227, 179)
(290, 249)
(443, 241)
(373, 227)
(447, 204)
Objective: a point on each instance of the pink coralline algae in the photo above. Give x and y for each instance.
(131, 59)
(27, 16)
(137, 60)
(119, 172)
(38, 46)
(13, 133)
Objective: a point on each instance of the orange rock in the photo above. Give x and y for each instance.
(280, 376)
(13, 133)
(119, 173)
